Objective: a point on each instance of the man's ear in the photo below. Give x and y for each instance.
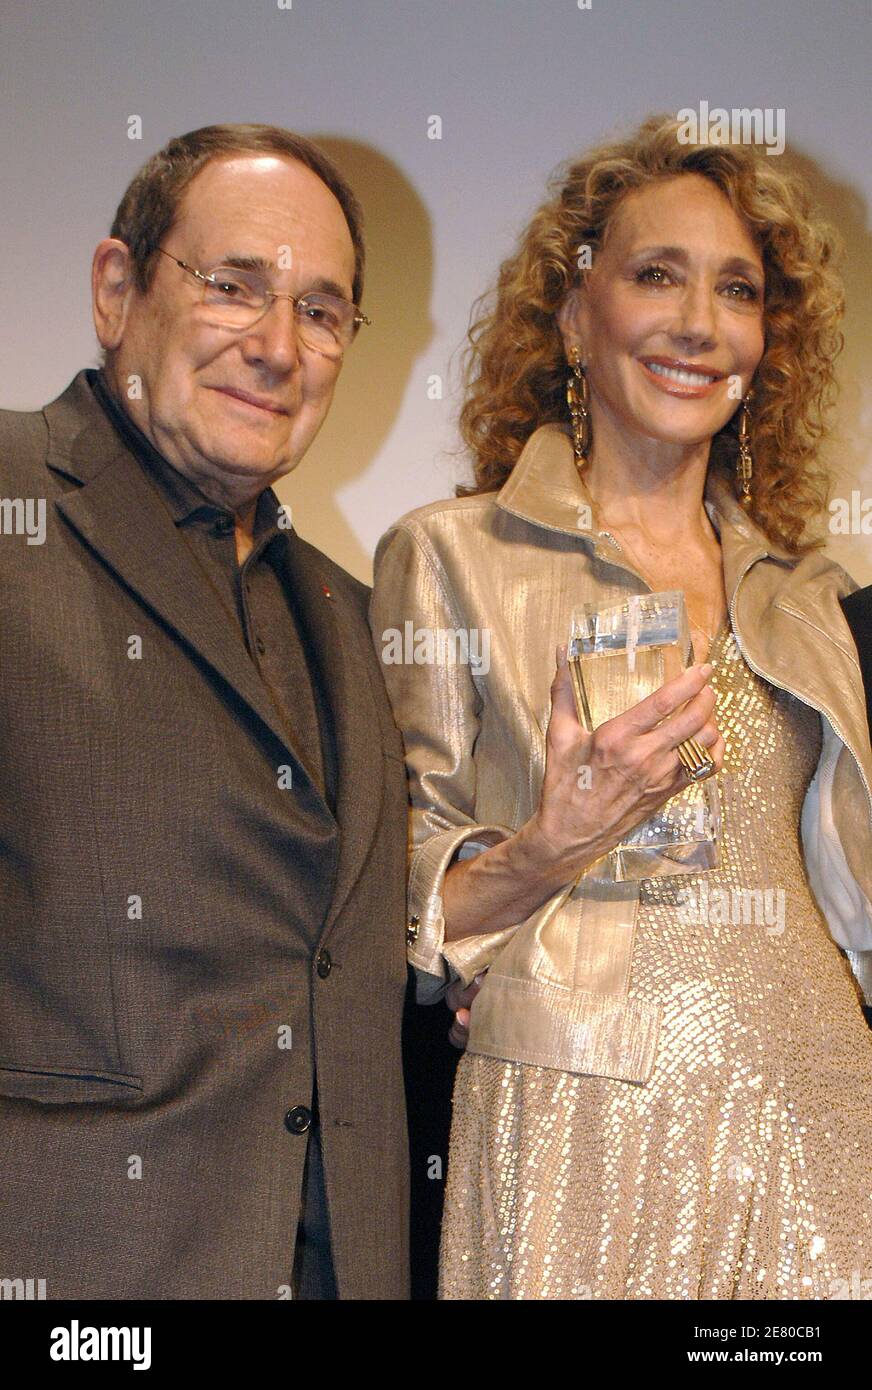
(112, 289)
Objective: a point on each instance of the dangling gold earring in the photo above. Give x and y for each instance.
(745, 461)
(578, 400)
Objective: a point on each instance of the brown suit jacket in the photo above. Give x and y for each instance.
(166, 907)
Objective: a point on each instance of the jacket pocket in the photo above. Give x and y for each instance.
(59, 1086)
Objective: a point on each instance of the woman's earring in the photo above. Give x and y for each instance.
(745, 461)
(578, 400)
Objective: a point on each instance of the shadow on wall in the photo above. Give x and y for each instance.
(399, 274)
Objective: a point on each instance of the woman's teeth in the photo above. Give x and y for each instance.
(680, 376)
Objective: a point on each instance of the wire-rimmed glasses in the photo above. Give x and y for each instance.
(237, 299)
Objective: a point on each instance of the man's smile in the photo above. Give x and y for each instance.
(247, 398)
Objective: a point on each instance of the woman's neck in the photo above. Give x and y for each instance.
(651, 485)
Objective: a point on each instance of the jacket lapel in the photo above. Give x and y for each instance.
(342, 647)
(119, 515)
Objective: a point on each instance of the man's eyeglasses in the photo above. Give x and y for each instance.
(237, 299)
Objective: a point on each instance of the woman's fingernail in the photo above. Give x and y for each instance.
(561, 656)
(706, 670)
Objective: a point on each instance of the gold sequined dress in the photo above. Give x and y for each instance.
(743, 1167)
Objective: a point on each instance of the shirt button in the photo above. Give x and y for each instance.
(324, 965)
(260, 644)
(223, 526)
(298, 1120)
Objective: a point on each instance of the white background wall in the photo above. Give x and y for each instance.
(520, 85)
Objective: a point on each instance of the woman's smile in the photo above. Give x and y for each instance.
(678, 378)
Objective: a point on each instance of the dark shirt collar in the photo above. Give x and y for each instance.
(183, 499)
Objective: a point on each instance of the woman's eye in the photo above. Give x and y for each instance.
(652, 275)
(741, 289)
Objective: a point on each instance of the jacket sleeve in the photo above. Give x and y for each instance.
(437, 707)
(837, 845)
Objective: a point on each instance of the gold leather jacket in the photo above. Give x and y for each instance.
(497, 576)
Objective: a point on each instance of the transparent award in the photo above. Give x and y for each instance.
(617, 656)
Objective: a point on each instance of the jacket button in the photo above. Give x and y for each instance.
(224, 525)
(412, 930)
(298, 1120)
(324, 965)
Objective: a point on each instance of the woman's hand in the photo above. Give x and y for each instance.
(595, 788)
(598, 786)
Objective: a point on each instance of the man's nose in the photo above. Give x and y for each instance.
(275, 339)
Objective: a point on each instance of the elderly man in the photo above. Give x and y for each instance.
(202, 816)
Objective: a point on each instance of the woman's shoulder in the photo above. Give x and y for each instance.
(447, 521)
(817, 571)
(811, 589)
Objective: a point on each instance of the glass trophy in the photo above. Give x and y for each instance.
(617, 656)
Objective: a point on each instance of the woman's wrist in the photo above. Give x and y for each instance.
(508, 882)
(547, 862)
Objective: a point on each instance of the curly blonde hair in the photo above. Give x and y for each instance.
(515, 365)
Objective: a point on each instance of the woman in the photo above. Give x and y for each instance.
(651, 1105)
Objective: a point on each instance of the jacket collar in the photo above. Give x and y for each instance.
(784, 609)
(545, 489)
